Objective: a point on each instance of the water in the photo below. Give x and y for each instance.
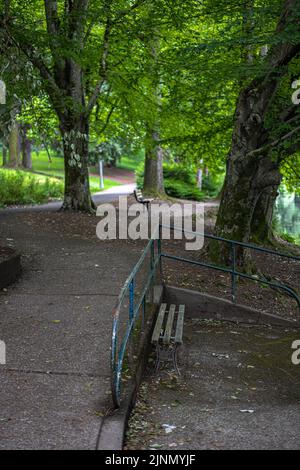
(287, 215)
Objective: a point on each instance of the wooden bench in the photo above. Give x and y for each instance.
(167, 334)
(141, 199)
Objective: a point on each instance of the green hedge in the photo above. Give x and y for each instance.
(19, 187)
(181, 183)
(182, 190)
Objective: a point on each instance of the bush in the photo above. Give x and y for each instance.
(182, 190)
(180, 173)
(290, 238)
(181, 183)
(19, 187)
(110, 152)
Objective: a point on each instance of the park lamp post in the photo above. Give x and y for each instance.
(101, 174)
(2, 92)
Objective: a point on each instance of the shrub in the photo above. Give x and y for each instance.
(180, 173)
(290, 238)
(181, 183)
(182, 190)
(19, 187)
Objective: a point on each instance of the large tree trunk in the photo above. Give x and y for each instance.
(70, 106)
(248, 195)
(14, 146)
(153, 179)
(153, 176)
(246, 209)
(253, 176)
(75, 135)
(262, 220)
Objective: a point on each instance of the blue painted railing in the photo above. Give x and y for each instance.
(136, 308)
(137, 300)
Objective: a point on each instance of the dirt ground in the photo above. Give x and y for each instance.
(238, 390)
(5, 253)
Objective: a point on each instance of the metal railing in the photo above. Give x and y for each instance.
(137, 300)
(136, 303)
(235, 273)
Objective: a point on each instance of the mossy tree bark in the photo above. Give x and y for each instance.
(76, 151)
(253, 164)
(14, 147)
(153, 179)
(153, 175)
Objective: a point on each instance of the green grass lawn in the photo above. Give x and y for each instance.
(19, 187)
(55, 169)
(131, 162)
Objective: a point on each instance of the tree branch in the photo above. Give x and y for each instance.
(103, 68)
(273, 144)
(109, 116)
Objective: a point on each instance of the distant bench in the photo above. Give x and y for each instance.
(167, 334)
(141, 199)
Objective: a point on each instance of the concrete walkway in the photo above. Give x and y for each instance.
(56, 323)
(108, 195)
(238, 390)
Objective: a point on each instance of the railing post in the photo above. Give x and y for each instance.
(159, 246)
(152, 255)
(233, 275)
(131, 300)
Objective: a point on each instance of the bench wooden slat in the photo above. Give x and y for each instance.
(140, 198)
(179, 327)
(159, 323)
(169, 325)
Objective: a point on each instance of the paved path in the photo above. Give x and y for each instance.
(238, 390)
(56, 322)
(102, 197)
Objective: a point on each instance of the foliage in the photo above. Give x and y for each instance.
(19, 187)
(181, 190)
(180, 182)
(181, 173)
(110, 152)
(201, 69)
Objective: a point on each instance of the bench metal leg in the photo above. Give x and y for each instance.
(157, 362)
(174, 358)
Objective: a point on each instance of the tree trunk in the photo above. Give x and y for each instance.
(14, 146)
(246, 208)
(262, 220)
(75, 135)
(253, 176)
(4, 153)
(26, 148)
(153, 179)
(200, 178)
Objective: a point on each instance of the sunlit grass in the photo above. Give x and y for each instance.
(55, 169)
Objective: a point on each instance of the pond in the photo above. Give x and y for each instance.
(287, 215)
